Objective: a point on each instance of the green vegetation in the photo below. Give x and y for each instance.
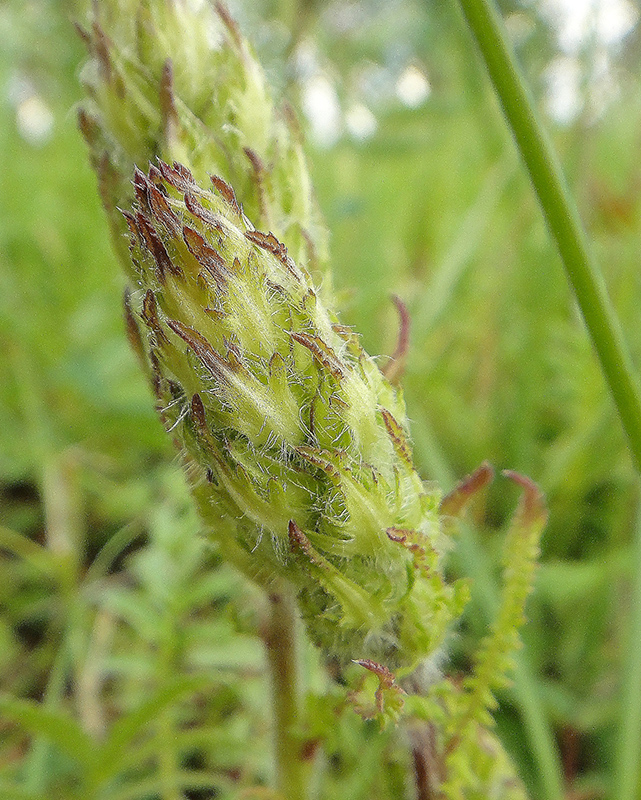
(133, 662)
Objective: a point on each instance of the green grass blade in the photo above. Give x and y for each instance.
(628, 764)
(561, 215)
(21, 546)
(563, 220)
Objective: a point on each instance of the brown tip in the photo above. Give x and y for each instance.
(88, 127)
(380, 670)
(395, 368)
(201, 347)
(322, 352)
(195, 207)
(226, 191)
(83, 33)
(199, 417)
(297, 539)
(206, 256)
(164, 264)
(230, 23)
(161, 209)
(397, 435)
(168, 113)
(178, 176)
(454, 502)
(101, 46)
(141, 187)
(533, 501)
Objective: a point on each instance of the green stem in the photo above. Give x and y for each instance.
(280, 640)
(561, 215)
(627, 767)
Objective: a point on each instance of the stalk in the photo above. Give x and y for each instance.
(628, 763)
(561, 215)
(587, 282)
(281, 647)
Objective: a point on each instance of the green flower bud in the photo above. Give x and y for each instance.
(288, 426)
(168, 80)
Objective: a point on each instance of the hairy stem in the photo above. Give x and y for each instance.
(282, 656)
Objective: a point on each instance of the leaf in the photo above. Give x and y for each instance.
(183, 780)
(55, 726)
(125, 730)
(22, 547)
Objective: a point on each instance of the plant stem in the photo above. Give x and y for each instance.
(563, 220)
(627, 767)
(280, 639)
(561, 215)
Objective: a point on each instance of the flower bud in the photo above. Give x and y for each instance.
(289, 427)
(171, 80)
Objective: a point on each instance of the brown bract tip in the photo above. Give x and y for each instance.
(254, 159)
(154, 243)
(206, 256)
(178, 176)
(322, 352)
(101, 45)
(166, 97)
(267, 241)
(201, 347)
(198, 411)
(397, 435)
(454, 502)
(297, 538)
(380, 670)
(395, 368)
(141, 190)
(230, 23)
(195, 207)
(88, 127)
(533, 501)
(227, 193)
(161, 209)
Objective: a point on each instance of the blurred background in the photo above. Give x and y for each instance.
(106, 590)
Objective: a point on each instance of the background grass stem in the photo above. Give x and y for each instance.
(627, 770)
(561, 215)
(563, 220)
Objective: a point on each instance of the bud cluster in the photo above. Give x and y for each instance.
(289, 427)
